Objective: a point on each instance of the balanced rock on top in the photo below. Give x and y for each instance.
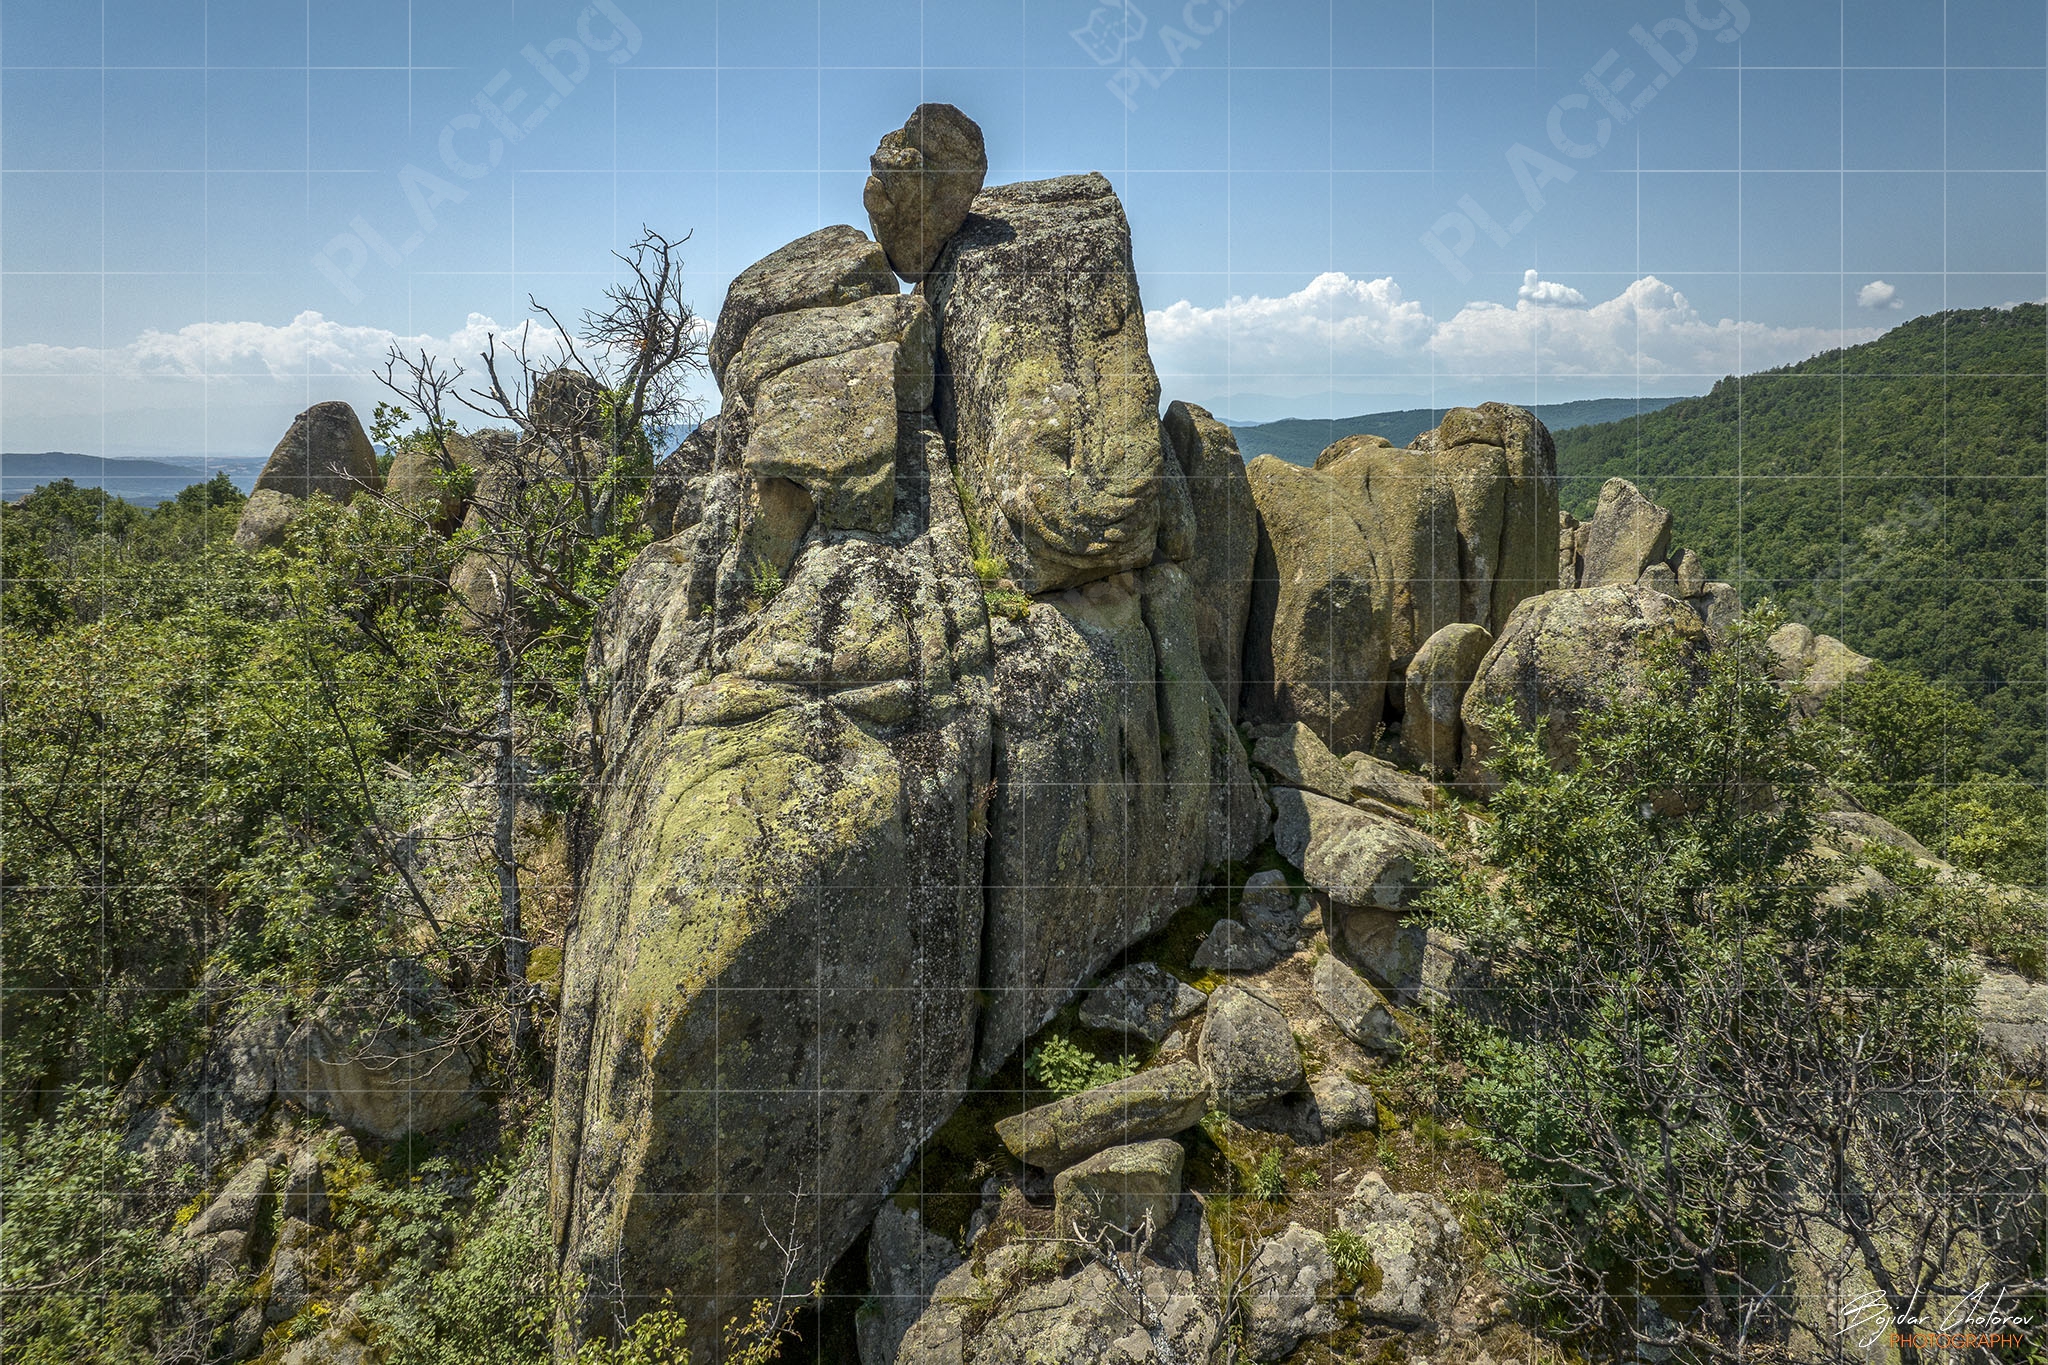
(925, 175)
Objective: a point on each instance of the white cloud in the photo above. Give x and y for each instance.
(1878, 294)
(1338, 328)
(1536, 293)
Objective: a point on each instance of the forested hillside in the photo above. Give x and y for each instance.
(1891, 494)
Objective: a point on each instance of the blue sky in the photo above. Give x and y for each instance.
(172, 173)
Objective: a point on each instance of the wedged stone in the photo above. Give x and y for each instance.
(1659, 578)
(1286, 1301)
(832, 266)
(241, 1206)
(1359, 1012)
(1292, 756)
(675, 495)
(1567, 550)
(1343, 1105)
(1248, 1051)
(1144, 999)
(785, 340)
(1561, 656)
(1230, 947)
(1379, 780)
(1048, 395)
(1627, 534)
(1438, 677)
(905, 1264)
(1226, 542)
(830, 427)
(1152, 1104)
(1691, 574)
(1315, 641)
(1271, 908)
(923, 178)
(1414, 1239)
(1352, 856)
(1126, 1191)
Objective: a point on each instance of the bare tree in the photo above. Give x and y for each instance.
(548, 523)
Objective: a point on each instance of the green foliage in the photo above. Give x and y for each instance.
(1677, 1007)
(1888, 494)
(81, 1279)
(659, 1337)
(1066, 1068)
(1351, 1257)
(1269, 1178)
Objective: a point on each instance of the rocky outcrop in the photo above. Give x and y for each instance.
(1359, 1012)
(1226, 543)
(1049, 399)
(1627, 535)
(1352, 856)
(1564, 654)
(923, 178)
(419, 478)
(851, 832)
(326, 451)
(1248, 1052)
(1365, 557)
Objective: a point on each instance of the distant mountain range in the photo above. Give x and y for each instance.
(143, 482)
(1298, 440)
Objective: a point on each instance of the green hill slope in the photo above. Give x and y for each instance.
(1298, 440)
(1891, 494)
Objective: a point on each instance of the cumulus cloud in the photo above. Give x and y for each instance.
(310, 346)
(1878, 294)
(1340, 328)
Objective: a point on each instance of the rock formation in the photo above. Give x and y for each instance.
(325, 451)
(924, 177)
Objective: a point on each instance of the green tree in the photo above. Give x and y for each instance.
(1699, 1059)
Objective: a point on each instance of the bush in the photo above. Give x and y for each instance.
(1066, 1068)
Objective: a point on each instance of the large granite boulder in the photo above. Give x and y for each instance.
(1292, 756)
(1152, 1104)
(923, 178)
(1125, 1191)
(2013, 1019)
(1047, 393)
(831, 266)
(1438, 677)
(1359, 1012)
(1354, 857)
(325, 451)
(1814, 666)
(1463, 522)
(419, 478)
(1226, 526)
(1315, 647)
(1628, 534)
(1415, 1243)
(1248, 1051)
(1288, 1298)
(785, 823)
(1564, 654)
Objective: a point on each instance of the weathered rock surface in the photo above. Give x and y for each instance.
(1226, 525)
(1271, 908)
(1144, 999)
(905, 1264)
(1315, 649)
(1248, 1051)
(373, 1059)
(1417, 965)
(830, 427)
(1359, 1012)
(1414, 1240)
(417, 477)
(1628, 533)
(786, 821)
(923, 178)
(1378, 780)
(1562, 655)
(1292, 756)
(1152, 1104)
(1352, 856)
(2012, 1016)
(1121, 781)
(1717, 604)
(1438, 677)
(1814, 666)
(832, 266)
(1231, 947)
(1343, 1105)
(1290, 1274)
(675, 495)
(325, 451)
(1125, 1191)
(1048, 396)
